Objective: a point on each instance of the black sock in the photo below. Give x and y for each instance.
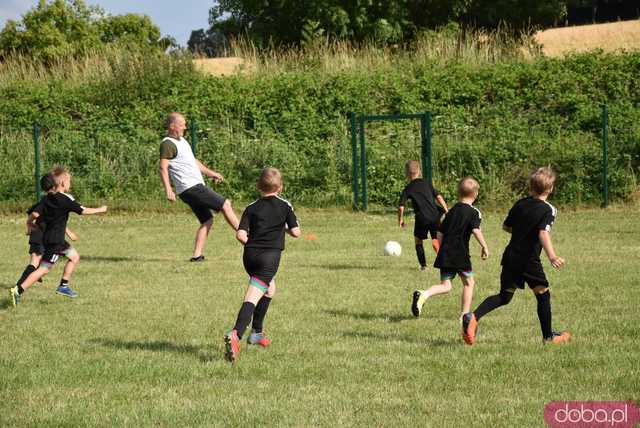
(64, 283)
(20, 289)
(492, 302)
(27, 271)
(420, 253)
(544, 313)
(259, 313)
(244, 317)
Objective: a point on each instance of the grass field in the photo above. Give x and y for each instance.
(142, 345)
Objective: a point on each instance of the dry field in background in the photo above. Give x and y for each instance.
(609, 37)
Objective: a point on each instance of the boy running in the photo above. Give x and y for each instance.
(35, 230)
(178, 162)
(529, 221)
(423, 198)
(261, 230)
(462, 221)
(54, 214)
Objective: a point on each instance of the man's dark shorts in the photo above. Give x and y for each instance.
(532, 274)
(202, 200)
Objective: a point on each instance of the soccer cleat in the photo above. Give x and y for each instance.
(557, 338)
(14, 296)
(417, 303)
(231, 346)
(197, 259)
(469, 327)
(256, 338)
(423, 268)
(66, 291)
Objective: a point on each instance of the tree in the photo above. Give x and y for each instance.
(61, 28)
(386, 21)
(210, 43)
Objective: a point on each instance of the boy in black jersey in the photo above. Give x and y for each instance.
(423, 198)
(54, 213)
(529, 221)
(462, 221)
(35, 231)
(261, 230)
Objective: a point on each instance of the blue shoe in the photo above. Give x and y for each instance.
(66, 291)
(14, 296)
(256, 338)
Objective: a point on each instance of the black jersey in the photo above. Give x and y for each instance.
(526, 219)
(54, 212)
(265, 220)
(456, 229)
(36, 235)
(423, 200)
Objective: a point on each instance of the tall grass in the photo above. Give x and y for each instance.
(448, 45)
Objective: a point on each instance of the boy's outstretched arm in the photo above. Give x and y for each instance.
(442, 203)
(477, 233)
(89, 211)
(545, 240)
(70, 234)
(401, 216)
(294, 232)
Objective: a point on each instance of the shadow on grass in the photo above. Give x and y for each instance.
(370, 316)
(337, 266)
(115, 259)
(387, 337)
(158, 346)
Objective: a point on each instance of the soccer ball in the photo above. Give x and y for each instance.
(392, 248)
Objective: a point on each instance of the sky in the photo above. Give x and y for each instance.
(175, 18)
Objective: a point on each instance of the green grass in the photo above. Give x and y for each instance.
(142, 345)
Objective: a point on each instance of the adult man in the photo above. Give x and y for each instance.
(178, 162)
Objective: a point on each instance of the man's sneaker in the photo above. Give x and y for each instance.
(417, 302)
(231, 346)
(14, 296)
(197, 259)
(66, 291)
(469, 327)
(557, 338)
(256, 338)
(423, 268)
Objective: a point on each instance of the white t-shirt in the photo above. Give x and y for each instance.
(183, 169)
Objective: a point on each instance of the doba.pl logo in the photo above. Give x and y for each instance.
(592, 414)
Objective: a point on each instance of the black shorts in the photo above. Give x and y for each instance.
(422, 229)
(261, 263)
(53, 253)
(35, 243)
(202, 200)
(533, 275)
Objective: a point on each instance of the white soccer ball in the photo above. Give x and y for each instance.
(392, 248)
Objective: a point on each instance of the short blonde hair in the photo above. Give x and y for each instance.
(270, 180)
(172, 118)
(412, 168)
(542, 180)
(58, 174)
(468, 187)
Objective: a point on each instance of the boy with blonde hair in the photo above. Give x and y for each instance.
(424, 199)
(261, 231)
(54, 213)
(529, 222)
(462, 221)
(179, 165)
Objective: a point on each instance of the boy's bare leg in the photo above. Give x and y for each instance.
(230, 215)
(435, 290)
(467, 294)
(34, 277)
(70, 266)
(201, 237)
